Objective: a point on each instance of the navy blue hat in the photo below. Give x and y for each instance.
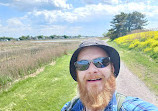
(113, 54)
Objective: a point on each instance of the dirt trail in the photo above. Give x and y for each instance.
(130, 85)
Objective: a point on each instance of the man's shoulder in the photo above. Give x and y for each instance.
(137, 104)
(69, 105)
(65, 107)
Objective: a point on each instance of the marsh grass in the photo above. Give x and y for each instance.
(18, 59)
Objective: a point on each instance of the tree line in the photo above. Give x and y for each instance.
(39, 37)
(125, 23)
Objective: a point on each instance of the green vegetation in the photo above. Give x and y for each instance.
(145, 42)
(24, 38)
(41, 37)
(65, 36)
(140, 64)
(124, 23)
(6, 38)
(48, 91)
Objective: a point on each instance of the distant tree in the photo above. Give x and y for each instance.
(40, 37)
(118, 24)
(28, 37)
(104, 34)
(65, 36)
(124, 23)
(112, 34)
(135, 21)
(79, 36)
(6, 38)
(24, 38)
(52, 36)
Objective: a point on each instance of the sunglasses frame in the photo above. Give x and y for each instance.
(92, 61)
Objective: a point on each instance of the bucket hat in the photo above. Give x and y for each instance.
(113, 54)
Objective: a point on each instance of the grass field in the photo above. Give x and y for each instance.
(140, 64)
(21, 58)
(48, 91)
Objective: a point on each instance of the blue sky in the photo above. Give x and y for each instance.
(68, 17)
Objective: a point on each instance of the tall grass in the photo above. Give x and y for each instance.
(18, 59)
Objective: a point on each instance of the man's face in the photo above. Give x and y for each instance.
(94, 77)
(96, 85)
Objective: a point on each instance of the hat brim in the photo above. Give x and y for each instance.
(113, 54)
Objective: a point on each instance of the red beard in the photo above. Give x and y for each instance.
(95, 99)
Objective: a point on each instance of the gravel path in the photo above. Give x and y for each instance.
(130, 85)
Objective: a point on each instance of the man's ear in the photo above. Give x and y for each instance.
(112, 68)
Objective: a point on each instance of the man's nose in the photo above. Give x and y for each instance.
(92, 69)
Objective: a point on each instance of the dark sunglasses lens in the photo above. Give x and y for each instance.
(82, 65)
(101, 62)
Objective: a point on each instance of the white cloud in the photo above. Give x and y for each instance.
(4, 4)
(29, 5)
(45, 15)
(130, 7)
(152, 11)
(14, 22)
(94, 11)
(14, 27)
(89, 12)
(109, 2)
(61, 3)
(145, 8)
(12, 31)
(86, 13)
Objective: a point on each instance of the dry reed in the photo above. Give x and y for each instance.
(18, 59)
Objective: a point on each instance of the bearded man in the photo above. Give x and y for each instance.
(95, 66)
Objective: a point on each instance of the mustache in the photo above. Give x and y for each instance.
(94, 76)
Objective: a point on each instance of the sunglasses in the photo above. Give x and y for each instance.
(100, 62)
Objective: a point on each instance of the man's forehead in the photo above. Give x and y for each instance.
(92, 50)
